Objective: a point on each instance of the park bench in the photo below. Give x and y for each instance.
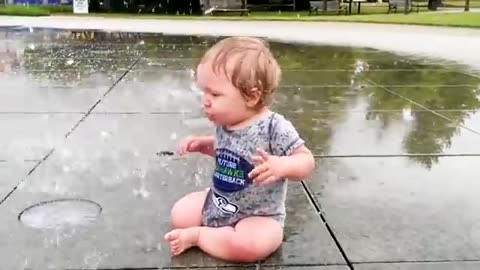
(331, 5)
(215, 6)
(272, 5)
(397, 5)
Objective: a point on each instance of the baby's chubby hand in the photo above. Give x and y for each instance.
(268, 168)
(201, 144)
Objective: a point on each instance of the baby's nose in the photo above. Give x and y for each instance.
(206, 102)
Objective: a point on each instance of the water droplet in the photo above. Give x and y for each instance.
(105, 134)
(407, 114)
(149, 249)
(198, 180)
(141, 192)
(140, 173)
(93, 259)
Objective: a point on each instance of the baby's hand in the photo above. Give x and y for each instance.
(268, 168)
(201, 144)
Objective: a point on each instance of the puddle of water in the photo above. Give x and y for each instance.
(327, 92)
(339, 80)
(61, 214)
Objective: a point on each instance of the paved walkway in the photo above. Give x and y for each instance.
(452, 44)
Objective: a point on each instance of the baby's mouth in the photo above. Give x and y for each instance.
(209, 115)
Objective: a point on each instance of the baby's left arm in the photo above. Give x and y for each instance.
(290, 158)
(269, 168)
(299, 164)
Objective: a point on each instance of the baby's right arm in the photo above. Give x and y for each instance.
(207, 145)
(201, 144)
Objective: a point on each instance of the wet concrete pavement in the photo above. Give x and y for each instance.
(85, 114)
(445, 45)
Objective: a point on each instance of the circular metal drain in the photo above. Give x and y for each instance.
(60, 214)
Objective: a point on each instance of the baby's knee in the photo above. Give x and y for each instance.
(176, 216)
(182, 218)
(187, 212)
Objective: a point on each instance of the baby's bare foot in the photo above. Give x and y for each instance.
(182, 239)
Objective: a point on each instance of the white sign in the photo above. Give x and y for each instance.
(80, 6)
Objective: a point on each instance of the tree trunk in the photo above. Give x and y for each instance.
(195, 6)
(433, 4)
(94, 6)
(467, 5)
(302, 5)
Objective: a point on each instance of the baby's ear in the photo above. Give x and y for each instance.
(254, 97)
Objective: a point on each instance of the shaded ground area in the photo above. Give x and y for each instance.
(85, 115)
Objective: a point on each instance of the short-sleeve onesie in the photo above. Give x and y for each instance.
(232, 195)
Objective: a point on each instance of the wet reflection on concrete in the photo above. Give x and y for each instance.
(379, 125)
(395, 209)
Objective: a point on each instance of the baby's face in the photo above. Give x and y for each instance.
(223, 104)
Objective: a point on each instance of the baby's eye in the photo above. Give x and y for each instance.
(215, 94)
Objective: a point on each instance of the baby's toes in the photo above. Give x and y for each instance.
(177, 251)
(175, 243)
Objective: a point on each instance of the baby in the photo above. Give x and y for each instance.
(240, 218)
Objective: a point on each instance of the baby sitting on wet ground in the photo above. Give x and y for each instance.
(241, 217)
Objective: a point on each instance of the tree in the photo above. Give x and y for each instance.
(467, 5)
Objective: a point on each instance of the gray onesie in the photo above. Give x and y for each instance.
(232, 195)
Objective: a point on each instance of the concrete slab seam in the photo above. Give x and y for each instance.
(317, 207)
(398, 155)
(28, 174)
(70, 132)
(104, 95)
(417, 261)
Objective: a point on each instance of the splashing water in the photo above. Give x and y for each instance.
(93, 259)
(141, 192)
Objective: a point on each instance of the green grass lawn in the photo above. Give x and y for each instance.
(33, 10)
(371, 13)
(462, 19)
(24, 10)
(428, 18)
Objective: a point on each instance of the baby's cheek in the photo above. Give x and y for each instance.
(220, 106)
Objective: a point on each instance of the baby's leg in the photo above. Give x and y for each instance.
(252, 239)
(187, 212)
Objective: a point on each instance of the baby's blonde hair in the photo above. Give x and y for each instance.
(250, 63)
